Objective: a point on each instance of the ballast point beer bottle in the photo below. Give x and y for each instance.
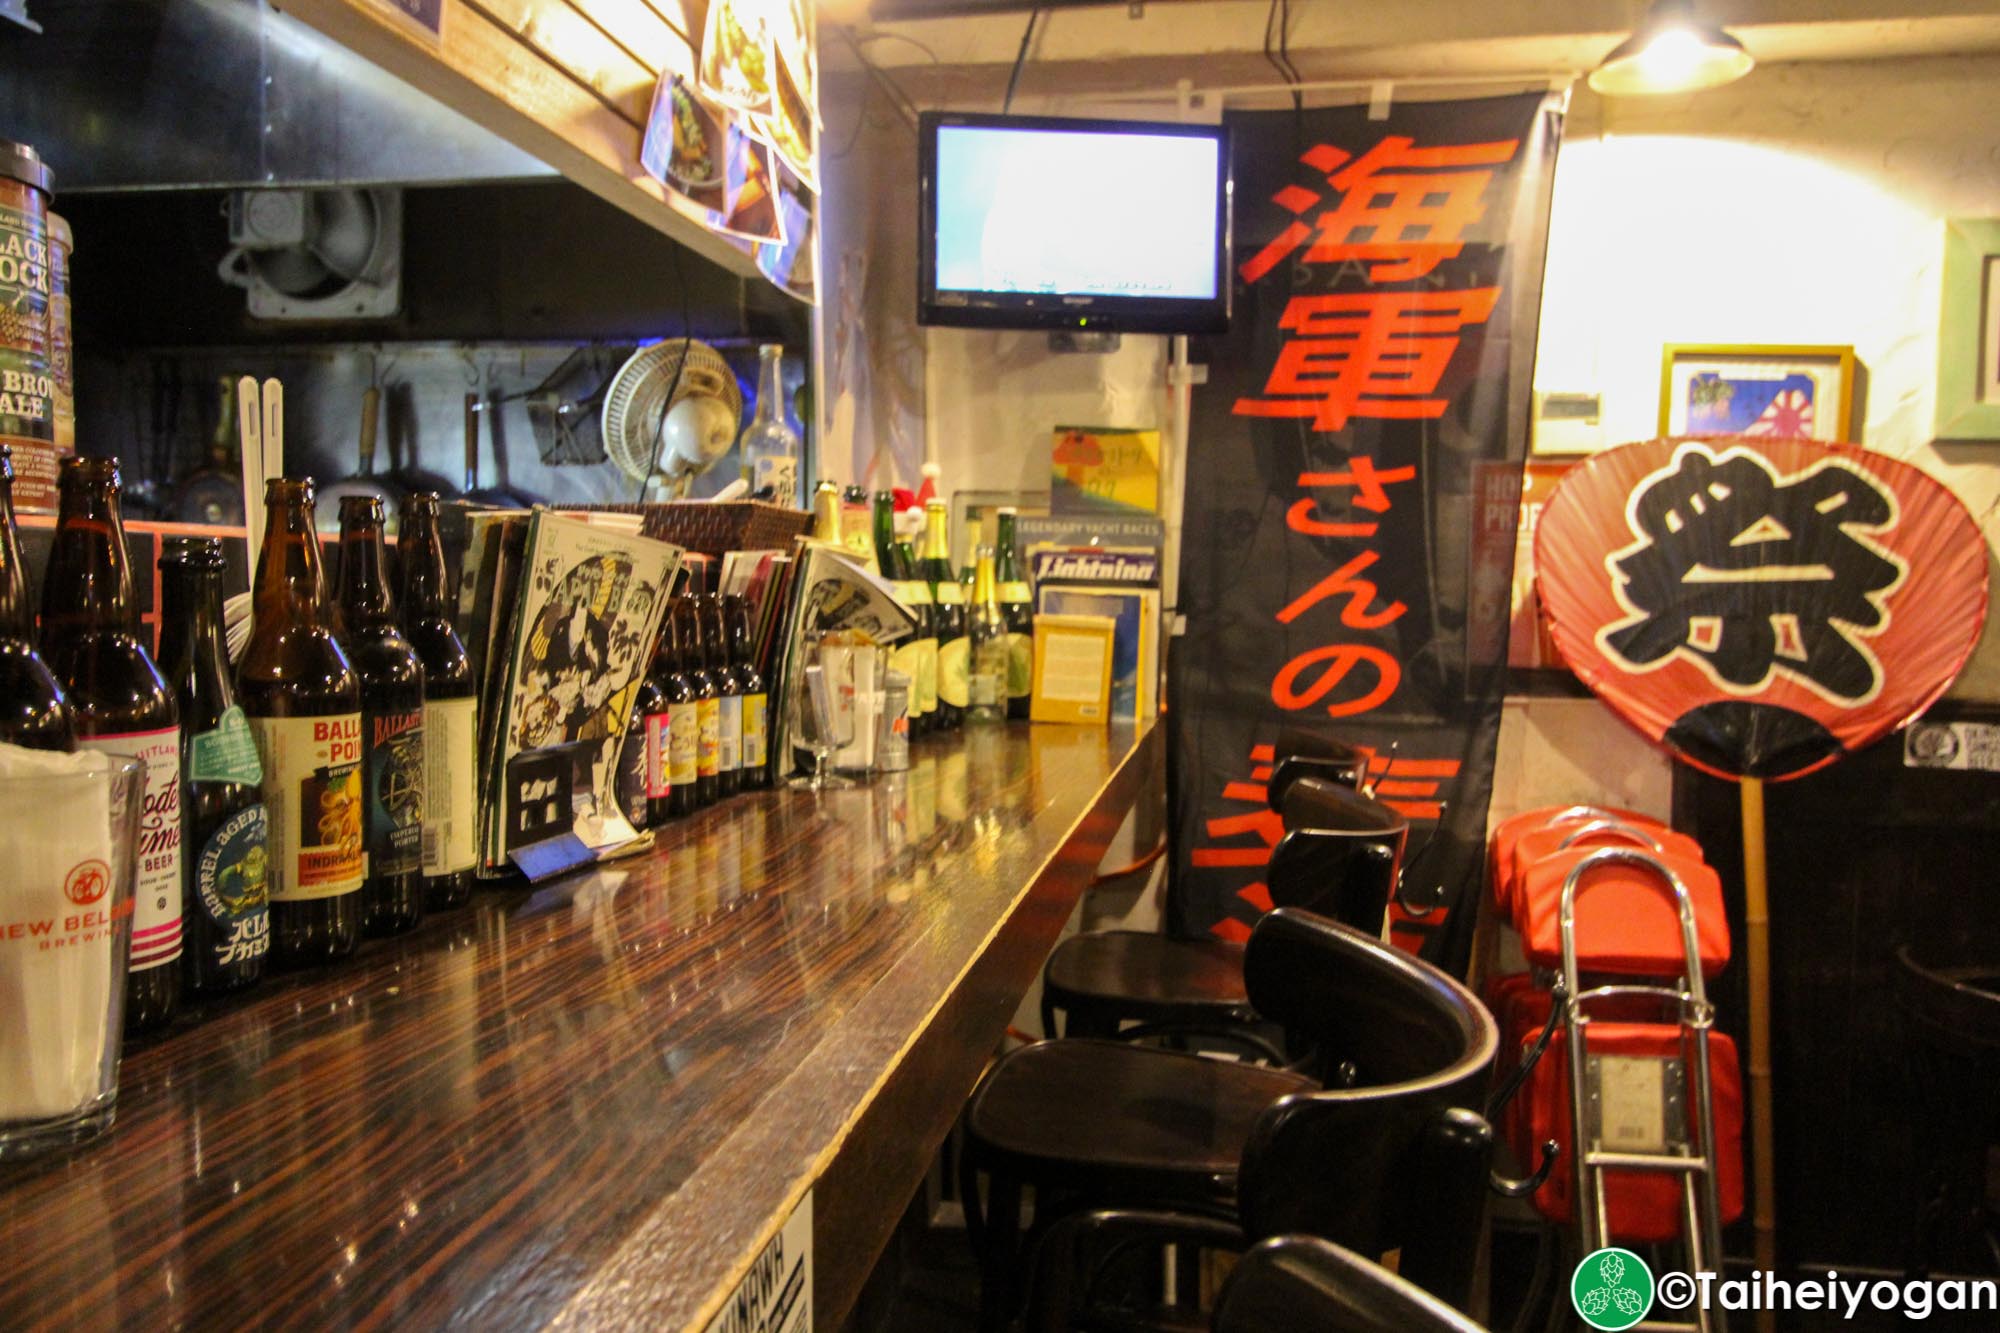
(392, 723)
(304, 703)
(451, 706)
(225, 857)
(121, 705)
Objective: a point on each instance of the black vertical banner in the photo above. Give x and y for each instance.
(1353, 482)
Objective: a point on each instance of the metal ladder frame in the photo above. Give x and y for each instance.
(1701, 1210)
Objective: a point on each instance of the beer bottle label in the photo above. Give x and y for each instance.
(451, 785)
(659, 755)
(1020, 665)
(393, 768)
(754, 742)
(908, 658)
(985, 685)
(226, 754)
(156, 913)
(232, 879)
(954, 671)
(924, 689)
(950, 594)
(634, 764)
(708, 718)
(729, 733)
(1015, 593)
(685, 744)
(778, 471)
(312, 789)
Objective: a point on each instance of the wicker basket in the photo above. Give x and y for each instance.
(712, 528)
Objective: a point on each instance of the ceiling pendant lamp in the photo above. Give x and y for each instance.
(1671, 52)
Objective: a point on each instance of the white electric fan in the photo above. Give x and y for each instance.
(670, 412)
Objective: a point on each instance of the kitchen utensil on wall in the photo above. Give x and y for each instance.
(565, 409)
(363, 483)
(213, 493)
(502, 496)
(400, 438)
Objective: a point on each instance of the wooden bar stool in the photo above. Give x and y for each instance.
(1339, 857)
(1377, 1150)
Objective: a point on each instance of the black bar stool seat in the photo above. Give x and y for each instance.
(1110, 975)
(1339, 858)
(1105, 1117)
(1378, 1150)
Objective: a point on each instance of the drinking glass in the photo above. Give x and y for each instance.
(817, 718)
(66, 883)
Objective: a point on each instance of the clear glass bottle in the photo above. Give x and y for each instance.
(986, 667)
(770, 446)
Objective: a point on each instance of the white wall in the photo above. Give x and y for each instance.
(1803, 205)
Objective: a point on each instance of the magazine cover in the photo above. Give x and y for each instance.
(1135, 643)
(583, 628)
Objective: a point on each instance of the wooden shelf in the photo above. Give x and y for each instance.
(568, 82)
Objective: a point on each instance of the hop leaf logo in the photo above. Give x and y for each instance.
(1612, 1289)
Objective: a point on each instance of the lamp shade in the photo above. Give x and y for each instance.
(1671, 52)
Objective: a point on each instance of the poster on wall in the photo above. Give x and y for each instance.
(789, 263)
(736, 146)
(714, 170)
(1388, 288)
(736, 61)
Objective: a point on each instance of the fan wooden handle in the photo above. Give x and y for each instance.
(471, 443)
(371, 407)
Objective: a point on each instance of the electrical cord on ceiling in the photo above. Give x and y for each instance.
(904, 106)
(1279, 54)
(674, 386)
(1020, 59)
(905, 109)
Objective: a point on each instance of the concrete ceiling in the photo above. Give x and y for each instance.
(962, 59)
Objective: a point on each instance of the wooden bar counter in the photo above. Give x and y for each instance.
(593, 1103)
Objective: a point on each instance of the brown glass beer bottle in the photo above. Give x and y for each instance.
(756, 765)
(304, 704)
(451, 705)
(728, 695)
(33, 712)
(121, 705)
(392, 723)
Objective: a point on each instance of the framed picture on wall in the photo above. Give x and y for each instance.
(1734, 389)
(1968, 382)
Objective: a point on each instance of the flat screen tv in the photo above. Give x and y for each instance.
(1036, 222)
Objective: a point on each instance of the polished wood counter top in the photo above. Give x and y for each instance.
(591, 1103)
